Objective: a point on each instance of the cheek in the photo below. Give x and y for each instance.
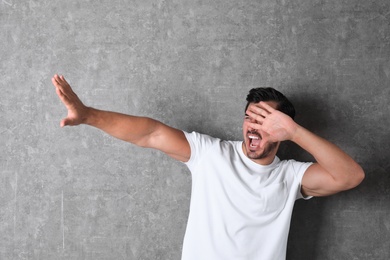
(245, 124)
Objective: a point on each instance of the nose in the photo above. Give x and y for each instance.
(252, 130)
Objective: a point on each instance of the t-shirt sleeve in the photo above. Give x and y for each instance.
(299, 169)
(199, 144)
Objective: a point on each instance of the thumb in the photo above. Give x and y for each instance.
(65, 122)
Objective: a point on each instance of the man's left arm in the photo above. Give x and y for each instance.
(334, 170)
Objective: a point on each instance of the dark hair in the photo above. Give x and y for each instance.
(270, 94)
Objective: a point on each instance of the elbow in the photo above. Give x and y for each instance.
(360, 175)
(357, 176)
(351, 180)
(142, 142)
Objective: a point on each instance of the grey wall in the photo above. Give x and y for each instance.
(76, 193)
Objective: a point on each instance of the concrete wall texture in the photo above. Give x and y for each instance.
(76, 193)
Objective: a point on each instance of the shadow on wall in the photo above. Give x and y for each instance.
(311, 233)
(314, 222)
(306, 222)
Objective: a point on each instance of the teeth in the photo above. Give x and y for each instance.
(253, 137)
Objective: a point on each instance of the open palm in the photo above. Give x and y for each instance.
(77, 111)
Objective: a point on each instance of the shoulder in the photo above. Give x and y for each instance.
(206, 146)
(199, 139)
(294, 167)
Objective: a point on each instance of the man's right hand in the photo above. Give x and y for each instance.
(77, 111)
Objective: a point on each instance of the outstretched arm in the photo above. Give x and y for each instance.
(334, 170)
(141, 131)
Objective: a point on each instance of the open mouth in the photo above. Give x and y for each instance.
(254, 140)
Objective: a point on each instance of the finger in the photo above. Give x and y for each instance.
(63, 86)
(59, 93)
(66, 121)
(258, 110)
(62, 123)
(258, 118)
(57, 77)
(267, 107)
(59, 81)
(62, 96)
(62, 78)
(54, 81)
(256, 126)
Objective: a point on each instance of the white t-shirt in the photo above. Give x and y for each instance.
(239, 210)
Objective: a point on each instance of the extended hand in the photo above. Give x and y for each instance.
(77, 111)
(273, 125)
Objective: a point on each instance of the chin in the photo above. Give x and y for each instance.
(261, 154)
(254, 156)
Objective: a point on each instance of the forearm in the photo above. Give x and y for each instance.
(337, 163)
(129, 128)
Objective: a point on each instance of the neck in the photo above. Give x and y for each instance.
(267, 160)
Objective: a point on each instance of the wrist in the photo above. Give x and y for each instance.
(297, 133)
(90, 116)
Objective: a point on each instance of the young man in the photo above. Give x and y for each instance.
(242, 193)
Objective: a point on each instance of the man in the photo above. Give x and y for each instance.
(242, 194)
